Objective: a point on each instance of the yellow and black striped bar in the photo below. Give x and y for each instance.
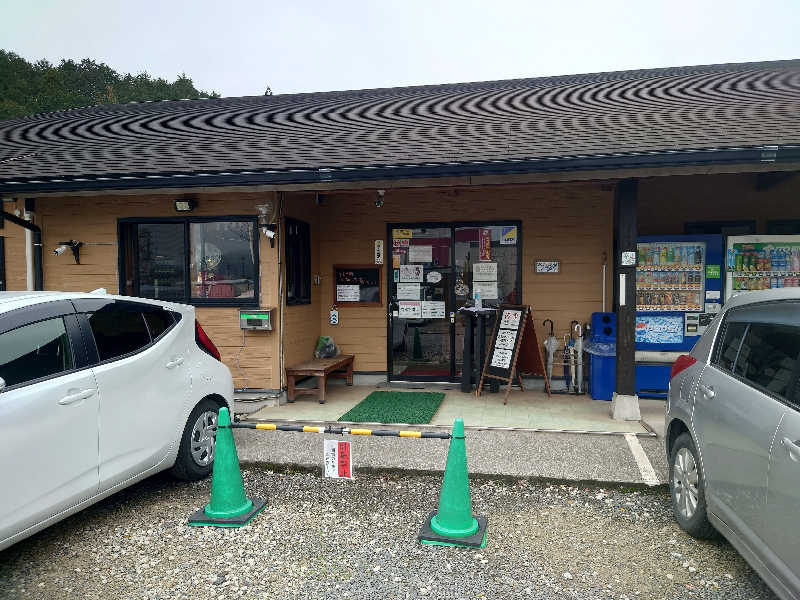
(443, 435)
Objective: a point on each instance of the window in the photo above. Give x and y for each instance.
(34, 351)
(764, 354)
(193, 260)
(119, 328)
(298, 262)
(158, 321)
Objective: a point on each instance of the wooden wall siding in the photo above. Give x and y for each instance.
(571, 223)
(301, 323)
(666, 204)
(16, 278)
(94, 219)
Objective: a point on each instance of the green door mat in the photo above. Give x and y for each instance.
(395, 407)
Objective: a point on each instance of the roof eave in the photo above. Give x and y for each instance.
(760, 154)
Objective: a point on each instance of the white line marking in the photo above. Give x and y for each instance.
(645, 468)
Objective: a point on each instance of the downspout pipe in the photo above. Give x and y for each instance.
(38, 272)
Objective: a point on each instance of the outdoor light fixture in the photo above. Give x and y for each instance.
(74, 245)
(379, 198)
(185, 205)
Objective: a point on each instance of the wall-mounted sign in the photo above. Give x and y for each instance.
(401, 233)
(548, 266)
(348, 293)
(628, 259)
(433, 277)
(378, 252)
(485, 243)
(358, 285)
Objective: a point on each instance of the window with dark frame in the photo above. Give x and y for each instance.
(298, 262)
(202, 261)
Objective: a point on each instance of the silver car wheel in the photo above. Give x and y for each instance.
(684, 483)
(204, 439)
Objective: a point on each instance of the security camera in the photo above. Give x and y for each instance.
(60, 250)
(268, 232)
(379, 198)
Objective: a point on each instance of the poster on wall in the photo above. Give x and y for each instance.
(420, 254)
(485, 244)
(508, 235)
(487, 289)
(433, 310)
(348, 293)
(484, 271)
(407, 309)
(411, 273)
(408, 291)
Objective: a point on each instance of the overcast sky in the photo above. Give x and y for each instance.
(240, 47)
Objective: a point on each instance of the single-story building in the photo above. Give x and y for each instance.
(380, 203)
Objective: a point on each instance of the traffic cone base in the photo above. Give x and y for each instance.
(478, 540)
(201, 519)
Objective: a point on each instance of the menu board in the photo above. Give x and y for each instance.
(357, 285)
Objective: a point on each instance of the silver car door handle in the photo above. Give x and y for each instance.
(174, 363)
(792, 447)
(708, 391)
(82, 395)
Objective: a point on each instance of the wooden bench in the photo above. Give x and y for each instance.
(339, 366)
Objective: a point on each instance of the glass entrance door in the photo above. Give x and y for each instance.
(433, 274)
(420, 300)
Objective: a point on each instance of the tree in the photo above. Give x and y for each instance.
(28, 88)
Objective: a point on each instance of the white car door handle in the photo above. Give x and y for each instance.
(793, 448)
(174, 363)
(708, 391)
(76, 396)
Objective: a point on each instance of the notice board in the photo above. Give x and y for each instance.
(513, 348)
(357, 285)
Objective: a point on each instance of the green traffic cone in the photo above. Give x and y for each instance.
(454, 524)
(229, 506)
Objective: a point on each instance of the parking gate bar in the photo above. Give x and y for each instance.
(442, 435)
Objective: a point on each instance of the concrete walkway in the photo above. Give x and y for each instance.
(633, 454)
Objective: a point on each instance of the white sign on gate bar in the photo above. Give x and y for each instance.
(338, 459)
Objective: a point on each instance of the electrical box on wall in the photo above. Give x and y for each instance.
(257, 320)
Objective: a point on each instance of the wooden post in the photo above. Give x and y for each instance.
(625, 284)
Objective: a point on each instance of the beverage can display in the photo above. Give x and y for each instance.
(739, 261)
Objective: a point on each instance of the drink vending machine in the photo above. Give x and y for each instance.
(761, 262)
(678, 293)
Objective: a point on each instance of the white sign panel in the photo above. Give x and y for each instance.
(347, 293)
(510, 319)
(433, 310)
(408, 291)
(411, 273)
(487, 289)
(484, 271)
(501, 358)
(433, 277)
(378, 252)
(409, 310)
(628, 259)
(505, 339)
(420, 254)
(338, 459)
(548, 266)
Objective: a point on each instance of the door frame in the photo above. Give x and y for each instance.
(452, 225)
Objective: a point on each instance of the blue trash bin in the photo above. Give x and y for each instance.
(602, 376)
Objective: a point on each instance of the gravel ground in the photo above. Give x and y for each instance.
(321, 538)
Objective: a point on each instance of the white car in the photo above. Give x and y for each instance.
(98, 392)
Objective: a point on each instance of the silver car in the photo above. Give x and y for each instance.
(733, 434)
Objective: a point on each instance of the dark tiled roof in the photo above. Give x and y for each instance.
(454, 128)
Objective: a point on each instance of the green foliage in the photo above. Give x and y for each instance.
(28, 88)
(395, 407)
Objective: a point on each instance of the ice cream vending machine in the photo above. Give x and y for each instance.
(761, 262)
(678, 293)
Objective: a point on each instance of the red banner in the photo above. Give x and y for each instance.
(485, 244)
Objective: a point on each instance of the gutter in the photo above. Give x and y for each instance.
(38, 273)
(759, 154)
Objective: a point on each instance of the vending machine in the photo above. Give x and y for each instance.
(678, 293)
(761, 262)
